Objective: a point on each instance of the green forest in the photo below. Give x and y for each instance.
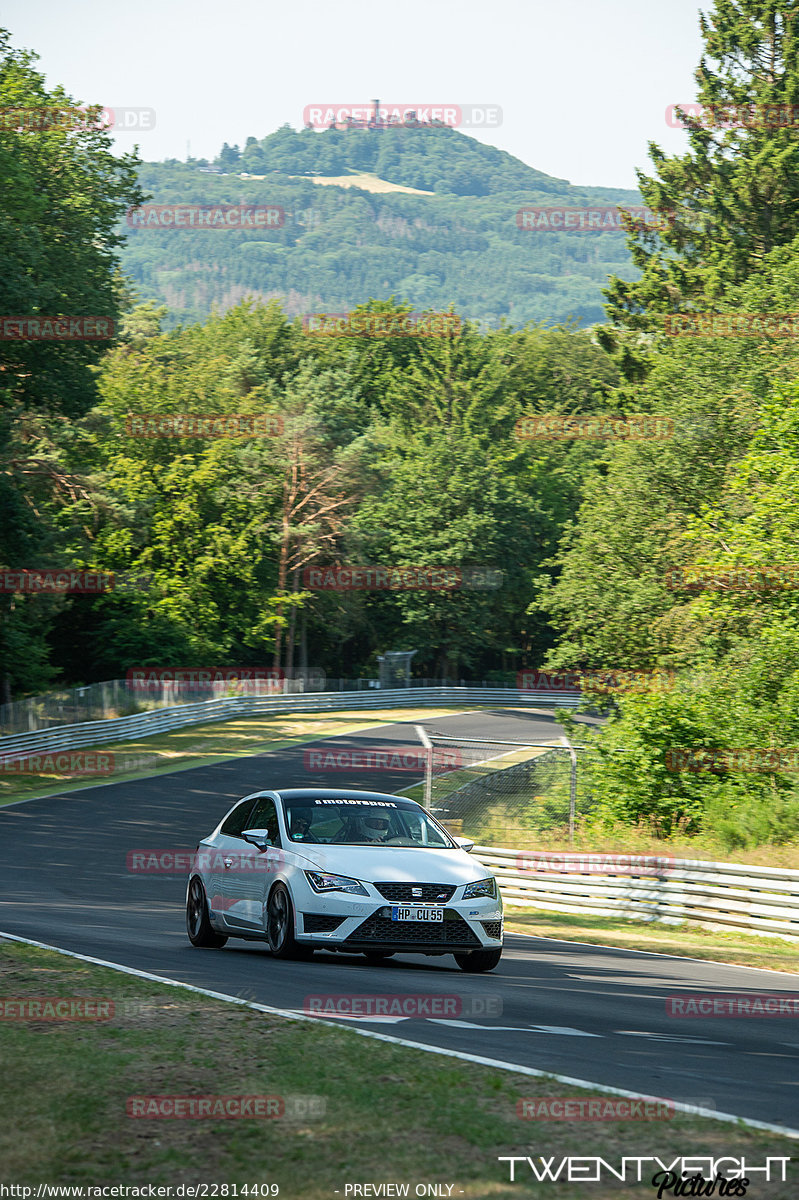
(403, 451)
(339, 246)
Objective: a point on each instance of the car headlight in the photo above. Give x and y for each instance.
(321, 881)
(482, 887)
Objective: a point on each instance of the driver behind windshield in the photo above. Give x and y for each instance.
(373, 829)
(301, 827)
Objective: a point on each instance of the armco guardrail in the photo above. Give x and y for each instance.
(758, 899)
(95, 733)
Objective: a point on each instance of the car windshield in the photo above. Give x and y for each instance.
(345, 822)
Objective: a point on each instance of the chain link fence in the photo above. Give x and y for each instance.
(116, 698)
(499, 793)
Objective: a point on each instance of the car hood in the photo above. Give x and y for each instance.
(396, 864)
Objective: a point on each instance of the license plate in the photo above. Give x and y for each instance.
(417, 914)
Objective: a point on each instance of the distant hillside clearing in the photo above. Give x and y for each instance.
(368, 183)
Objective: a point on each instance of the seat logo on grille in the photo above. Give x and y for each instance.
(416, 892)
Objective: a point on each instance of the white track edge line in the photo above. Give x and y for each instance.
(497, 1064)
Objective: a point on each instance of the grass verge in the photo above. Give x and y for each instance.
(691, 940)
(197, 745)
(391, 1115)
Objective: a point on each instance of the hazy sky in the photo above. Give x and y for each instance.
(583, 84)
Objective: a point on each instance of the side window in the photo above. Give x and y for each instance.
(264, 816)
(237, 821)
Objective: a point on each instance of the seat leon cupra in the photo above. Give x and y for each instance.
(358, 872)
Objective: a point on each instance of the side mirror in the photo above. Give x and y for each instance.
(257, 837)
(465, 844)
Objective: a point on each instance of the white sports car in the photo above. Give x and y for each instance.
(360, 872)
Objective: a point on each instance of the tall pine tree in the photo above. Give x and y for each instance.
(735, 194)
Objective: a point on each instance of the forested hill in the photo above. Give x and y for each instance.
(433, 158)
(339, 245)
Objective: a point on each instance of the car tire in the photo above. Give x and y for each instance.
(479, 960)
(378, 955)
(198, 925)
(280, 926)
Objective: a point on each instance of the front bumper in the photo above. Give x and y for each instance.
(466, 926)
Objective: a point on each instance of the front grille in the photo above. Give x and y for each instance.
(401, 893)
(453, 930)
(320, 922)
(493, 928)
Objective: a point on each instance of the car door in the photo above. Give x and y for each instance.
(224, 857)
(256, 868)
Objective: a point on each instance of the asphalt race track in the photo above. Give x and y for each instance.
(583, 1011)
